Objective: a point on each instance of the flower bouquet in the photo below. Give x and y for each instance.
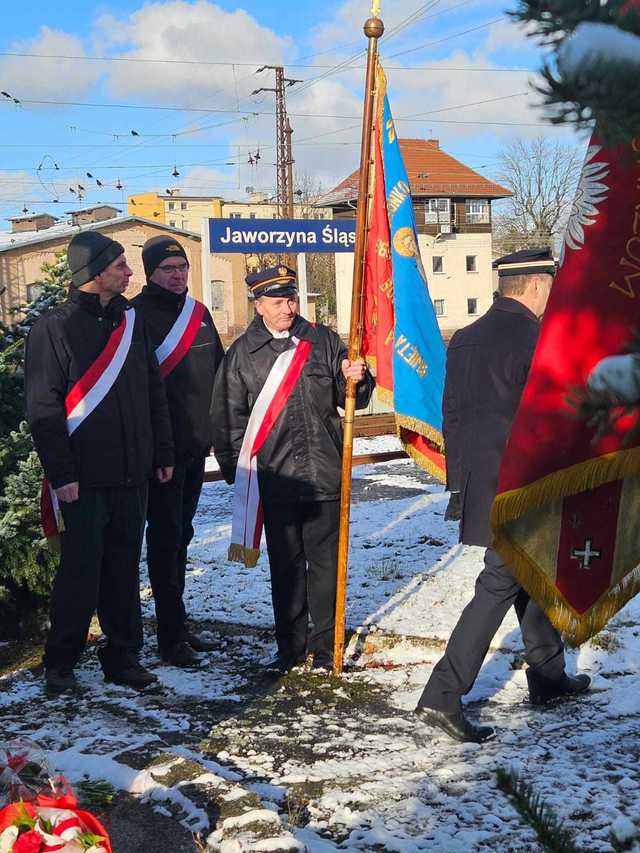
(37, 822)
(51, 824)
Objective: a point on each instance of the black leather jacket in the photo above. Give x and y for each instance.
(301, 458)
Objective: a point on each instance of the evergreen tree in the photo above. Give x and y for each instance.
(596, 60)
(26, 564)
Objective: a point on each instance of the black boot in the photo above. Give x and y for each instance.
(456, 725)
(125, 669)
(60, 679)
(182, 654)
(200, 643)
(543, 690)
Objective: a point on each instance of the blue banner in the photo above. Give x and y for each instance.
(282, 236)
(418, 350)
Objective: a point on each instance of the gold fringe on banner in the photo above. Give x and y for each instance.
(575, 627)
(423, 429)
(568, 481)
(423, 461)
(240, 554)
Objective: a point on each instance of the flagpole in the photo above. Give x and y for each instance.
(373, 30)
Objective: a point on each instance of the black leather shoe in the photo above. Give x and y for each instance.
(456, 725)
(60, 679)
(199, 643)
(283, 664)
(543, 690)
(182, 654)
(126, 670)
(323, 660)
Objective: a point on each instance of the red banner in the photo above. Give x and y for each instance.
(562, 502)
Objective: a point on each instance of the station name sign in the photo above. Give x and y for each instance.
(282, 235)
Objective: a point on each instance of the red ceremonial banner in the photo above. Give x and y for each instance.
(565, 512)
(378, 316)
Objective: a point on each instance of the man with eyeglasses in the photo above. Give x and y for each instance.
(189, 351)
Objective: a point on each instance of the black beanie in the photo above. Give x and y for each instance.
(157, 249)
(89, 253)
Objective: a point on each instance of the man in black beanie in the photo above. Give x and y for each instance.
(189, 352)
(98, 414)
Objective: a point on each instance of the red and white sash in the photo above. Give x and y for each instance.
(246, 528)
(180, 336)
(88, 392)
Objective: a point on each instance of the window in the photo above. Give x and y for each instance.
(437, 210)
(172, 205)
(252, 216)
(217, 295)
(172, 222)
(477, 211)
(183, 205)
(472, 306)
(274, 215)
(438, 263)
(472, 265)
(439, 307)
(235, 215)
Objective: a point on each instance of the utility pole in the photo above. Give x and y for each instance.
(284, 165)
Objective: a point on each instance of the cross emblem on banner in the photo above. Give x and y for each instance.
(585, 555)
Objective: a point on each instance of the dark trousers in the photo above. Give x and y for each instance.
(302, 541)
(100, 554)
(172, 507)
(496, 590)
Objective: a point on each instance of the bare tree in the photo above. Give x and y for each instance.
(321, 268)
(542, 175)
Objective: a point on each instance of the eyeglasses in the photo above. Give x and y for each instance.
(169, 268)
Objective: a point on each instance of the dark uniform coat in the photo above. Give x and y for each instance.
(189, 386)
(111, 455)
(301, 458)
(487, 367)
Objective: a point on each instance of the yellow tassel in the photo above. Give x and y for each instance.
(424, 462)
(576, 628)
(423, 429)
(240, 554)
(568, 481)
(384, 395)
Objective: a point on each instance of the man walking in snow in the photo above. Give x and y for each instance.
(487, 367)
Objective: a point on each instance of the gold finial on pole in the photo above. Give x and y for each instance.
(375, 8)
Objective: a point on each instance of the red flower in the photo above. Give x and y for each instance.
(28, 842)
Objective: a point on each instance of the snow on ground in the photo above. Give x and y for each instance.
(324, 765)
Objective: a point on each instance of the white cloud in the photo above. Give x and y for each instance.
(197, 31)
(30, 77)
(511, 36)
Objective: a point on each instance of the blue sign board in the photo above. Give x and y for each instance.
(282, 236)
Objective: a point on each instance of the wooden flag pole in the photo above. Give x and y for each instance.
(373, 29)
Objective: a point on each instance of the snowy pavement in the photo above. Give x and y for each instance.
(310, 762)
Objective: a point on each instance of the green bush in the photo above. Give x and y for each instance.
(27, 566)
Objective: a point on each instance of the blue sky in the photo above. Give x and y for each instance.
(454, 70)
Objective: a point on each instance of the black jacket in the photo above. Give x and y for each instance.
(301, 459)
(189, 386)
(129, 433)
(487, 367)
